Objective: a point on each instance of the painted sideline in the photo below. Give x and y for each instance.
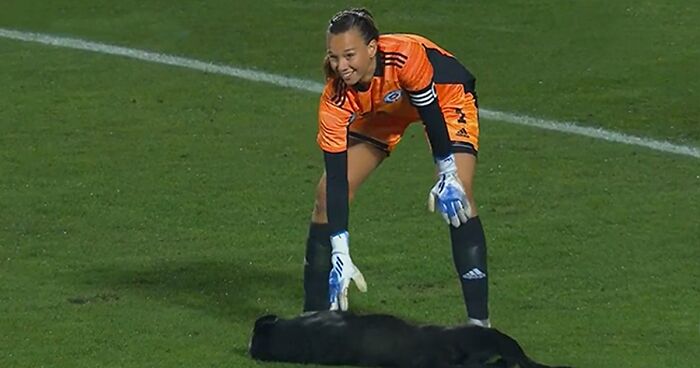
(311, 86)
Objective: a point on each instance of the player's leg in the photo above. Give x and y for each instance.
(468, 240)
(363, 159)
(469, 249)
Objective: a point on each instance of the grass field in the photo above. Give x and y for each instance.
(149, 213)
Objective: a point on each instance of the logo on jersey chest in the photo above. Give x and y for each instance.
(392, 96)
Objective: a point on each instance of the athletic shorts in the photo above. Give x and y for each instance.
(461, 116)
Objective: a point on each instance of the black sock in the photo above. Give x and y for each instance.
(469, 255)
(317, 265)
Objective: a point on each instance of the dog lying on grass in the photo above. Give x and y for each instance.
(378, 340)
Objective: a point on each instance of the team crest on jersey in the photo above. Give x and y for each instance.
(392, 96)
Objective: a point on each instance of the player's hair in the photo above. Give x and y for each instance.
(359, 18)
(343, 21)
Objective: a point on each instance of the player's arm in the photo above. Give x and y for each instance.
(426, 102)
(333, 122)
(337, 190)
(447, 195)
(332, 138)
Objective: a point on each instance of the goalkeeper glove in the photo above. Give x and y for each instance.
(343, 271)
(448, 194)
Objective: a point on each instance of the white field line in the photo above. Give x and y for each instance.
(311, 86)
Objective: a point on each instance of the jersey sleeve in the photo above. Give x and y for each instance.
(333, 121)
(417, 72)
(416, 77)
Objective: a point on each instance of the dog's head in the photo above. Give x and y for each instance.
(287, 340)
(265, 321)
(260, 343)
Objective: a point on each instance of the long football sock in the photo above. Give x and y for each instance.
(469, 255)
(317, 266)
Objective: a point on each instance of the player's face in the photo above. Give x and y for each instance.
(350, 57)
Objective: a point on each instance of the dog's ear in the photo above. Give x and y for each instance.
(259, 346)
(266, 320)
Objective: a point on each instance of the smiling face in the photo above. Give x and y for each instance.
(350, 57)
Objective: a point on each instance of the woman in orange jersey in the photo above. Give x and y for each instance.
(376, 86)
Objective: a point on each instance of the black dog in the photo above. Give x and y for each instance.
(343, 338)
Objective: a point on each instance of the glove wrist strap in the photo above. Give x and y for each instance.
(446, 165)
(340, 242)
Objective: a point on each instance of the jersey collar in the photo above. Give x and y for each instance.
(378, 72)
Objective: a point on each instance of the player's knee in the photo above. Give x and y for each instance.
(470, 199)
(319, 213)
(467, 184)
(472, 206)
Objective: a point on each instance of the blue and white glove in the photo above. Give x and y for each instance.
(448, 194)
(342, 272)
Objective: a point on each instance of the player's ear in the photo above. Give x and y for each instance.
(372, 48)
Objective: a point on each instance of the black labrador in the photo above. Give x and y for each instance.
(378, 340)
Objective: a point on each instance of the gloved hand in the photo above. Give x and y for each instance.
(448, 193)
(342, 272)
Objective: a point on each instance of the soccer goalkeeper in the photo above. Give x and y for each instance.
(376, 86)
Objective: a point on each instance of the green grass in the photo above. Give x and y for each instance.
(148, 214)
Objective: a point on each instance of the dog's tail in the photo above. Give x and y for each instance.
(511, 352)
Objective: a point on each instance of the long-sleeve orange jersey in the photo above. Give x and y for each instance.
(411, 72)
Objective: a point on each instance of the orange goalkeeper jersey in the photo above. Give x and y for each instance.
(411, 71)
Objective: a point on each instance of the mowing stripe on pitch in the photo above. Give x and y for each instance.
(311, 86)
